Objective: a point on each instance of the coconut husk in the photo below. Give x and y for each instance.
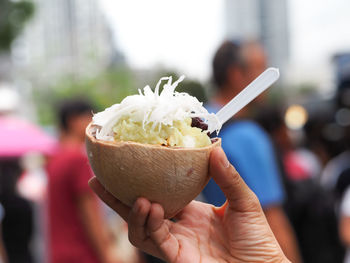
(170, 176)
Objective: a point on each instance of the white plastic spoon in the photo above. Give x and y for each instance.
(254, 89)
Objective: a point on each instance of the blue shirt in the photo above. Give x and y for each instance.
(250, 150)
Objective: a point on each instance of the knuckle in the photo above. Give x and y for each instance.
(254, 201)
(236, 178)
(236, 182)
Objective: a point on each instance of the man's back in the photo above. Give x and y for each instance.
(249, 149)
(68, 175)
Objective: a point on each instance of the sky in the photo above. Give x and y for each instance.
(184, 34)
(178, 34)
(318, 30)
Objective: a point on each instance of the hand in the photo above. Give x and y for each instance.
(236, 232)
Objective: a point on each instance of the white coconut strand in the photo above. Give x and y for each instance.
(152, 107)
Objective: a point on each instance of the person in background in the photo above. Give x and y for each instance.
(309, 207)
(77, 231)
(246, 145)
(343, 190)
(18, 222)
(341, 174)
(2, 249)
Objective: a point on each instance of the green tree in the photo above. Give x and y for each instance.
(13, 16)
(104, 90)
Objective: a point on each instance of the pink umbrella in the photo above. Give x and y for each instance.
(18, 137)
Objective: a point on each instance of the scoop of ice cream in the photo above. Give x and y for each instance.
(156, 118)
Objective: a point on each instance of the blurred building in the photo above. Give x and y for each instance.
(64, 37)
(263, 20)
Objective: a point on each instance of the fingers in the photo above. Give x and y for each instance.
(109, 199)
(149, 230)
(147, 227)
(160, 233)
(137, 221)
(238, 194)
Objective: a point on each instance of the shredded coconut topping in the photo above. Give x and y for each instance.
(152, 107)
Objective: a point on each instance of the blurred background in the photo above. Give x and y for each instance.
(53, 49)
(104, 50)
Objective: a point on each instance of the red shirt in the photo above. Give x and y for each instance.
(68, 175)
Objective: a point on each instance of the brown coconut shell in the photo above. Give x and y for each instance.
(170, 176)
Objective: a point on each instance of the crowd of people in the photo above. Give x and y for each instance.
(277, 198)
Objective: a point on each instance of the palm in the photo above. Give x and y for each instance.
(203, 235)
(194, 241)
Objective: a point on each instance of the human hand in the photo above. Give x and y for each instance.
(236, 232)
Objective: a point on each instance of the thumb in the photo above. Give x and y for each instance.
(238, 194)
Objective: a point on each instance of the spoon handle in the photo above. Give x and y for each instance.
(260, 84)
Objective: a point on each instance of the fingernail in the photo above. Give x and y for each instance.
(223, 160)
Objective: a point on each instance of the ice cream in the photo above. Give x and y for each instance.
(159, 118)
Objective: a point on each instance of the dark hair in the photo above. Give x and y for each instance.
(270, 118)
(72, 108)
(228, 54)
